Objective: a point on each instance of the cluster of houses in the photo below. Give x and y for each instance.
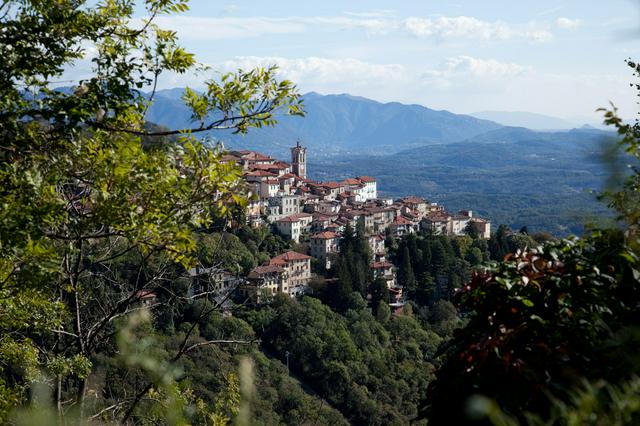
(317, 213)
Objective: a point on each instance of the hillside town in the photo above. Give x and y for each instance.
(317, 213)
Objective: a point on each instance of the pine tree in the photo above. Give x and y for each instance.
(390, 243)
(471, 231)
(498, 244)
(348, 239)
(359, 275)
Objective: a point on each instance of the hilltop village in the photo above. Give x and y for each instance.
(318, 213)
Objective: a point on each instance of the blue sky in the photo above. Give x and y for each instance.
(562, 58)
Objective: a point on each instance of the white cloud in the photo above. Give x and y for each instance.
(385, 81)
(372, 25)
(484, 67)
(469, 28)
(568, 24)
(193, 28)
(376, 22)
(220, 28)
(465, 66)
(538, 36)
(469, 74)
(315, 73)
(459, 27)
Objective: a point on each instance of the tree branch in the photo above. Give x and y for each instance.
(216, 125)
(214, 342)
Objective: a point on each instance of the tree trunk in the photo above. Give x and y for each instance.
(80, 399)
(59, 395)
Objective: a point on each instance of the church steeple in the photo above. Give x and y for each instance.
(299, 160)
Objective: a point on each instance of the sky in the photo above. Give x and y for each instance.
(560, 58)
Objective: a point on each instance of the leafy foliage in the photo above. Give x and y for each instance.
(542, 320)
(93, 211)
(374, 373)
(547, 318)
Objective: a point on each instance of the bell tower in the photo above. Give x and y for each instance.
(299, 160)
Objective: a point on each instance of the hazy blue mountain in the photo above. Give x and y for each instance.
(525, 119)
(169, 110)
(340, 123)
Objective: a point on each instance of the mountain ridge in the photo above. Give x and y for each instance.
(339, 123)
(530, 120)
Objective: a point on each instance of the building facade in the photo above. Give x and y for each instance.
(322, 245)
(298, 269)
(299, 160)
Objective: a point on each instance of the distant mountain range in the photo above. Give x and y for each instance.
(340, 124)
(527, 119)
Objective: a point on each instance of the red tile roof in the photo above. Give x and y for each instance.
(325, 236)
(366, 179)
(260, 173)
(267, 269)
(229, 157)
(301, 215)
(261, 167)
(401, 221)
(382, 265)
(289, 256)
(322, 216)
(295, 217)
(251, 155)
(331, 185)
(413, 200)
(437, 218)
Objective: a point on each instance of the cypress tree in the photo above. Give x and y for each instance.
(425, 290)
(439, 260)
(344, 287)
(405, 274)
(425, 260)
(379, 294)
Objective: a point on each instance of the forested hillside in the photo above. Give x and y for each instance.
(545, 181)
